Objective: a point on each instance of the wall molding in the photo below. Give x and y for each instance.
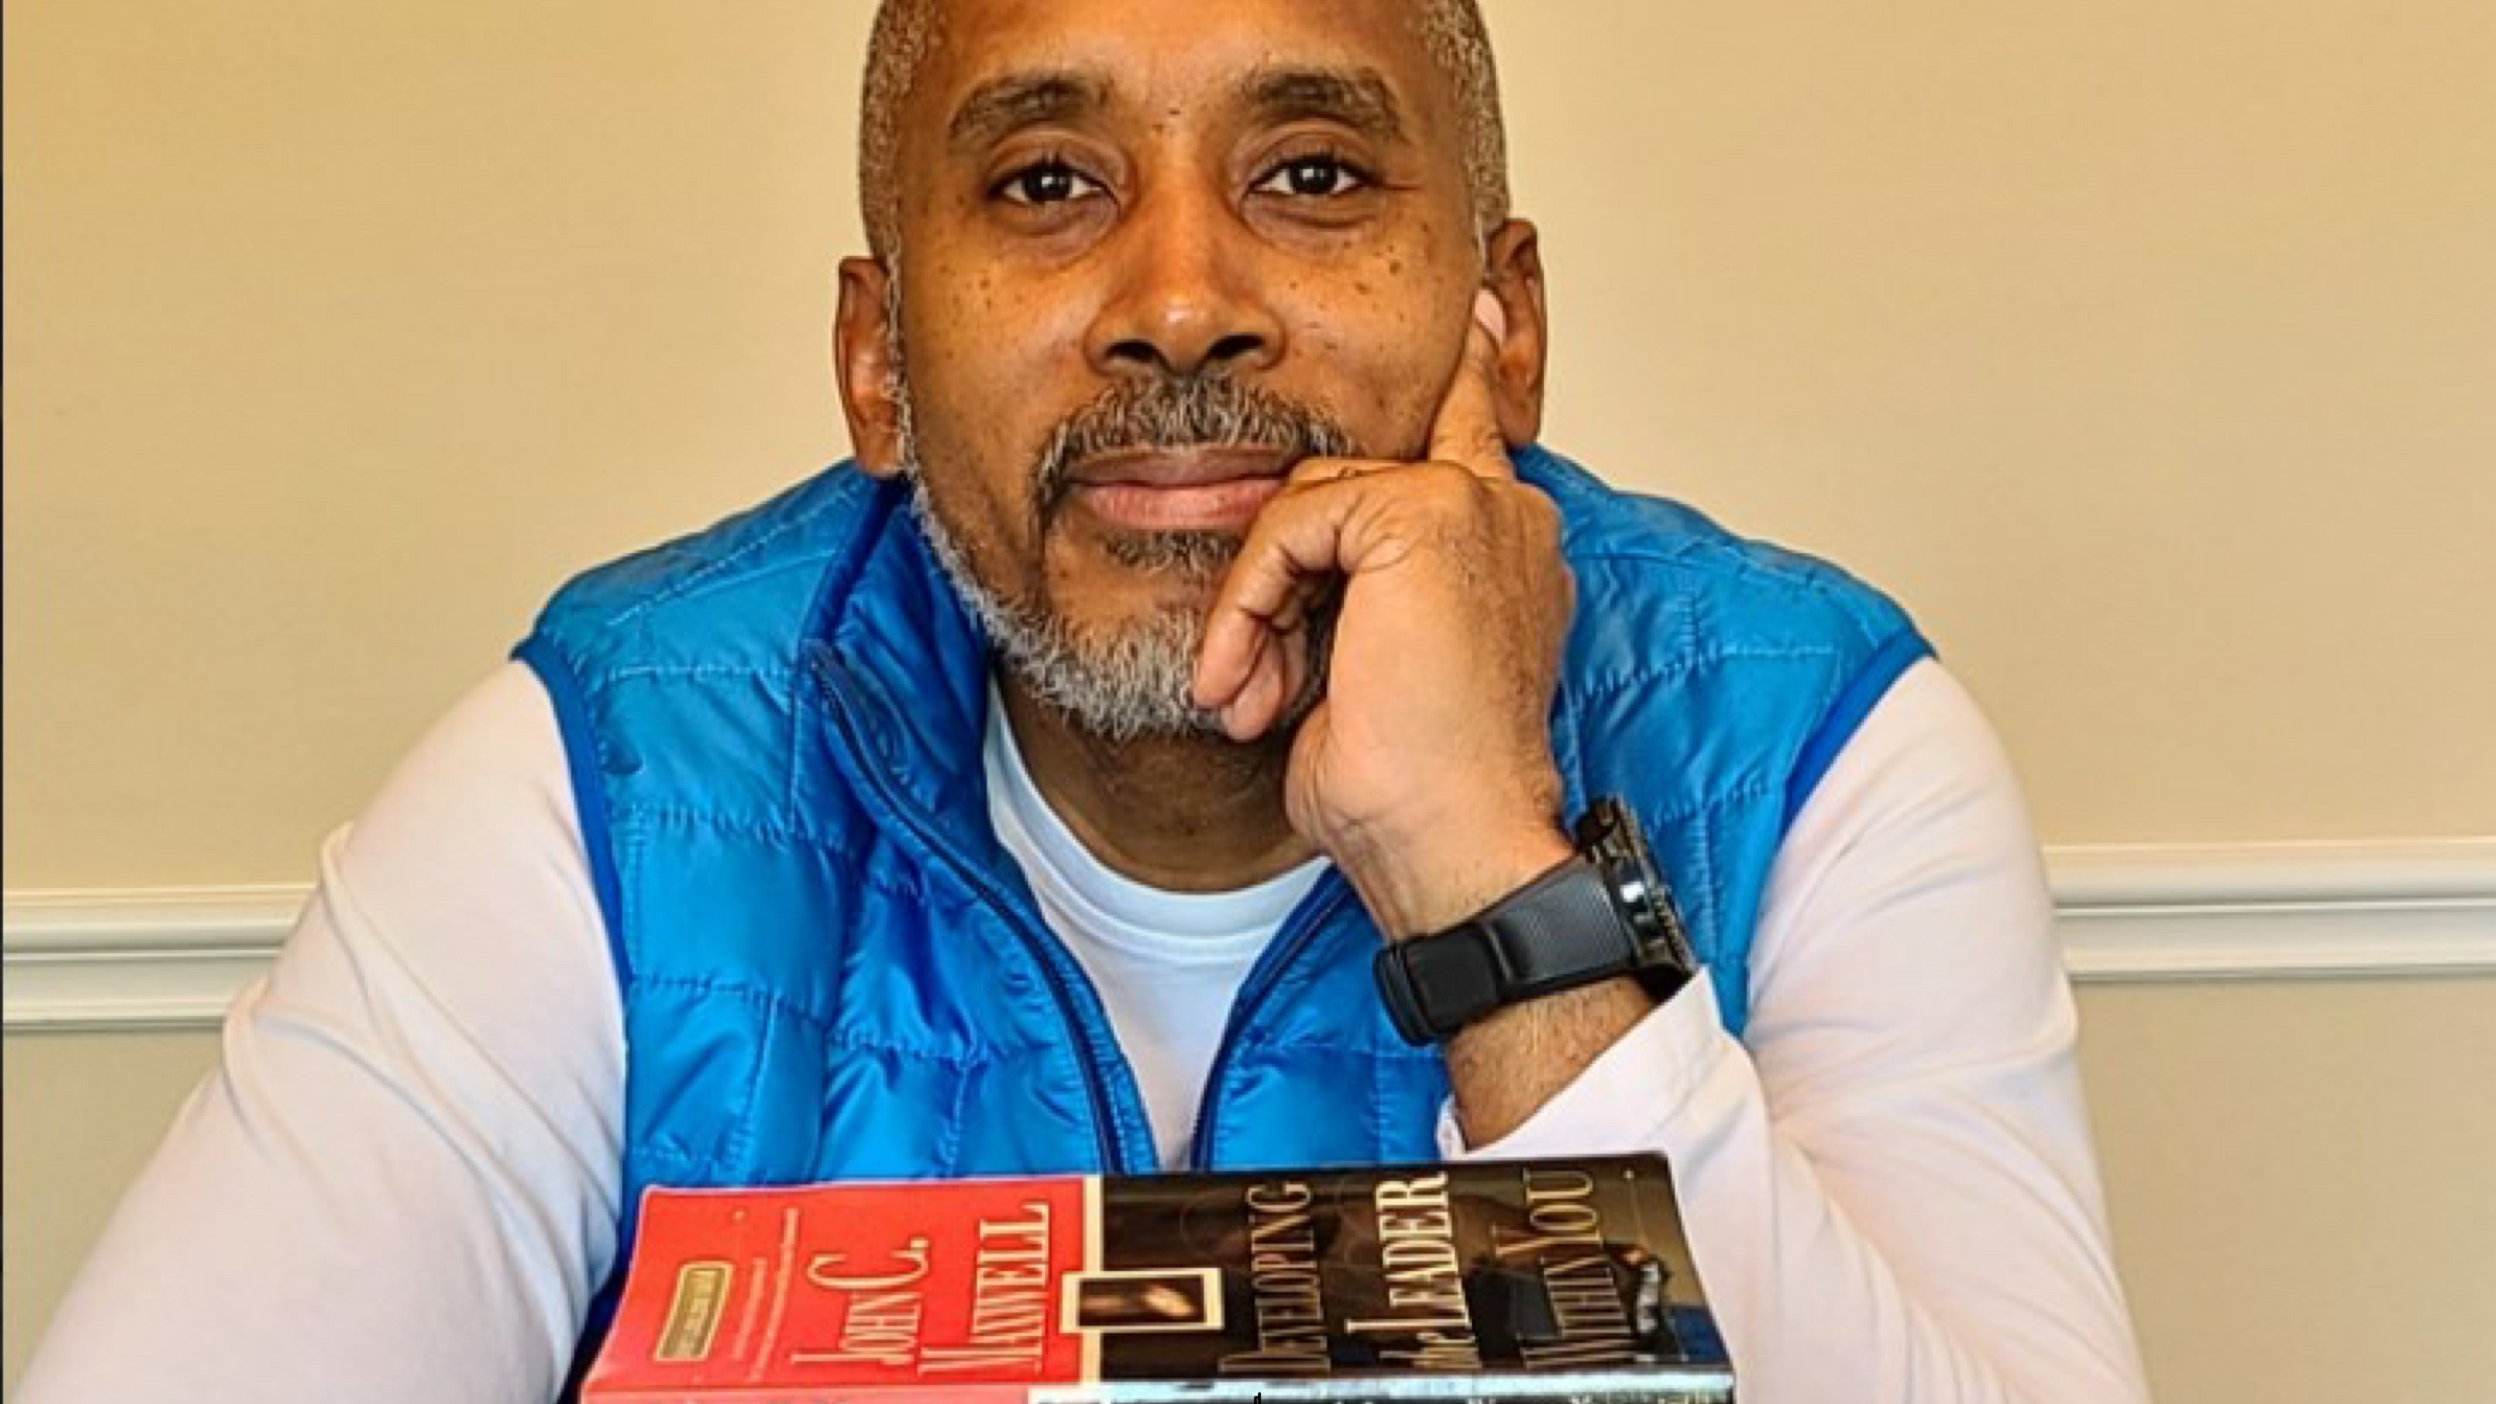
(99, 959)
(91, 960)
(2276, 910)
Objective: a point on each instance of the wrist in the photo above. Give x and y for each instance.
(1417, 889)
(1603, 912)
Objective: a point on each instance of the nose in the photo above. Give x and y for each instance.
(1187, 295)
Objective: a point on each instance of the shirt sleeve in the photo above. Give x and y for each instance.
(401, 1183)
(1888, 1181)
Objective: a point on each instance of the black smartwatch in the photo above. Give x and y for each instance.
(1605, 911)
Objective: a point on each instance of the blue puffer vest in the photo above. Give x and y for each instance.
(829, 967)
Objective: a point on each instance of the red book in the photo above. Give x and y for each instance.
(1481, 1281)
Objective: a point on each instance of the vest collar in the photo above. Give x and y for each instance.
(908, 669)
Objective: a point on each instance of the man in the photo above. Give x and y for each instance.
(1196, 621)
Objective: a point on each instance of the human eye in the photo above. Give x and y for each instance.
(1314, 175)
(1045, 182)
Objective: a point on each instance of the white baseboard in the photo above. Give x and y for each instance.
(168, 958)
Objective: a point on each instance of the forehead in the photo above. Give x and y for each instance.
(1179, 58)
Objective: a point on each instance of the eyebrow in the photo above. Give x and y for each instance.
(1015, 100)
(1359, 98)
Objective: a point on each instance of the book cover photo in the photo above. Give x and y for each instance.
(1519, 1280)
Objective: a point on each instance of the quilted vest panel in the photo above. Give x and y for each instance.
(829, 967)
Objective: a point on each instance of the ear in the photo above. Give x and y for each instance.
(1513, 272)
(863, 361)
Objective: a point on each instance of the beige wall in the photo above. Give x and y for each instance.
(2144, 348)
(84, 1111)
(2298, 1175)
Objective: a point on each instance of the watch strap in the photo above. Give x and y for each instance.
(1555, 933)
(1604, 912)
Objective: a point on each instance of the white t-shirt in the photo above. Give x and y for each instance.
(402, 1183)
(1167, 964)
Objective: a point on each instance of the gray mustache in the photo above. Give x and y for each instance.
(1207, 411)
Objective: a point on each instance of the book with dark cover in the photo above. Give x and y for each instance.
(1481, 1281)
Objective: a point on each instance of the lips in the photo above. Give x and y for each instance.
(1183, 489)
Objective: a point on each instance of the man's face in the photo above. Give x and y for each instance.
(1151, 255)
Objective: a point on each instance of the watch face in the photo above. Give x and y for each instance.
(1612, 839)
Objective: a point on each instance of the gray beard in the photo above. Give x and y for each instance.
(1114, 685)
(1133, 682)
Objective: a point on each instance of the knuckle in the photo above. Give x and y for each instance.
(1450, 487)
(1543, 519)
(1536, 508)
(1317, 470)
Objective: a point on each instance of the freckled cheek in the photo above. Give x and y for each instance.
(1379, 373)
(986, 341)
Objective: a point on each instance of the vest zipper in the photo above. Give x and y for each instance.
(1262, 978)
(1104, 1120)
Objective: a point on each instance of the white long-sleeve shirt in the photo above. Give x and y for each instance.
(402, 1184)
